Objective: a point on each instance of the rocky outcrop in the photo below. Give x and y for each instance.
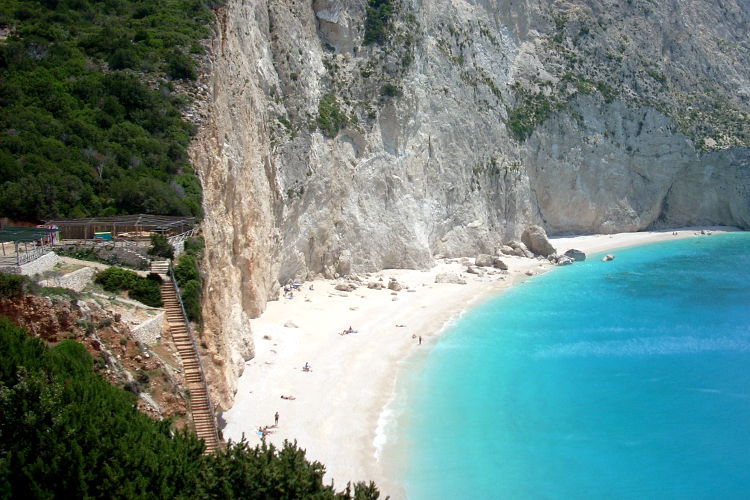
(535, 239)
(483, 260)
(499, 264)
(449, 278)
(576, 255)
(320, 155)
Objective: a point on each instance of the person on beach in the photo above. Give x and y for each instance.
(420, 340)
(307, 367)
(276, 419)
(287, 397)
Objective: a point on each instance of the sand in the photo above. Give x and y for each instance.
(336, 406)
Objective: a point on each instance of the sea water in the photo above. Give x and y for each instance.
(627, 379)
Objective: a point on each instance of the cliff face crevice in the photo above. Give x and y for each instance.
(323, 155)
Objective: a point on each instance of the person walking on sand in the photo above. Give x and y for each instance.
(276, 419)
(420, 340)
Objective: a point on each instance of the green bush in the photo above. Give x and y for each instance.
(67, 433)
(330, 117)
(114, 279)
(186, 269)
(188, 277)
(191, 299)
(160, 246)
(377, 24)
(533, 110)
(13, 285)
(181, 66)
(145, 290)
(195, 246)
(391, 90)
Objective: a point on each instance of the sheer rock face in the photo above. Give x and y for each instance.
(427, 156)
(233, 157)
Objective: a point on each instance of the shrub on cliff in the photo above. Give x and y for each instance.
(331, 118)
(145, 290)
(191, 299)
(377, 23)
(67, 433)
(188, 277)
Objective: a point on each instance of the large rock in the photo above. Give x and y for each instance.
(499, 264)
(535, 238)
(450, 278)
(576, 255)
(520, 249)
(483, 260)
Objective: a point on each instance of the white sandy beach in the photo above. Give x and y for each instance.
(337, 404)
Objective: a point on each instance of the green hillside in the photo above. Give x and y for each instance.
(65, 432)
(89, 112)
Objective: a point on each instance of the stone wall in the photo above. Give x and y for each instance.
(76, 280)
(44, 263)
(150, 331)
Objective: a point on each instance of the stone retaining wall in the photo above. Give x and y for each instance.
(76, 281)
(38, 266)
(149, 332)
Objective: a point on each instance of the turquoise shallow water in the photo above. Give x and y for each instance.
(627, 379)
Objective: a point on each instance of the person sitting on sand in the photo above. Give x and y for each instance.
(307, 367)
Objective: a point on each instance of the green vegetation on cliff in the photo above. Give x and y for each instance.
(67, 433)
(331, 118)
(90, 120)
(379, 13)
(188, 276)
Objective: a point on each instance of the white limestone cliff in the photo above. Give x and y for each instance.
(638, 116)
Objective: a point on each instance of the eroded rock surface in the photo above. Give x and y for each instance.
(321, 155)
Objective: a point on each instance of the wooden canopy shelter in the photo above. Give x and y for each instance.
(28, 243)
(138, 225)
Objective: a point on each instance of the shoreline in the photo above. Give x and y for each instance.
(337, 413)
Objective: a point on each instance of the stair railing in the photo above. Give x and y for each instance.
(197, 353)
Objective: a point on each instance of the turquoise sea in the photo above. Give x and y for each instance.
(627, 379)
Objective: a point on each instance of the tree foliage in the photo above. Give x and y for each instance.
(91, 122)
(13, 285)
(146, 290)
(66, 433)
(188, 276)
(161, 247)
(331, 118)
(377, 24)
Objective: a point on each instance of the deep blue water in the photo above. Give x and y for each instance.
(627, 379)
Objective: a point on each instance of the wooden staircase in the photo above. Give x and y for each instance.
(200, 403)
(160, 267)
